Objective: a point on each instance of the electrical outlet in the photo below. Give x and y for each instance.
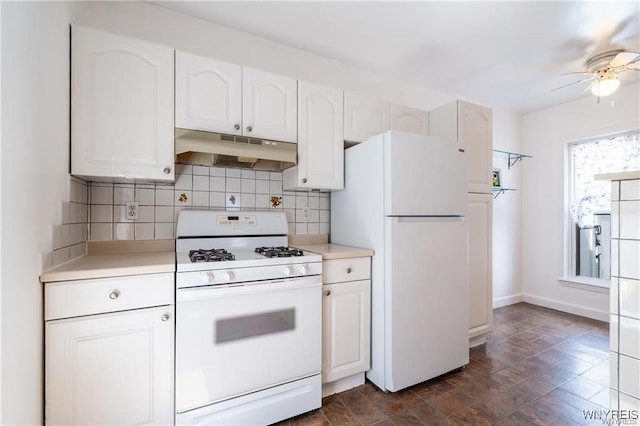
(305, 213)
(131, 209)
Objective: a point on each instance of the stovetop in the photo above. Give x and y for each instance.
(242, 258)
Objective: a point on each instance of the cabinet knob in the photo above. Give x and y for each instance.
(165, 317)
(249, 128)
(236, 126)
(167, 170)
(327, 293)
(114, 294)
(304, 180)
(349, 270)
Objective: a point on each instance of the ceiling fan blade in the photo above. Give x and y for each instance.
(575, 82)
(624, 58)
(577, 72)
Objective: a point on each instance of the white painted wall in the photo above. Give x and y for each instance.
(507, 213)
(35, 150)
(35, 133)
(545, 134)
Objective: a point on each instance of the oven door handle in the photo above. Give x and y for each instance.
(248, 288)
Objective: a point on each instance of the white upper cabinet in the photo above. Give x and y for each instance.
(476, 133)
(320, 140)
(121, 107)
(221, 97)
(269, 105)
(471, 127)
(208, 94)
(410, 120)
(364, 117)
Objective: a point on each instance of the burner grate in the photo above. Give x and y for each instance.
(210, 255)
(279, 251)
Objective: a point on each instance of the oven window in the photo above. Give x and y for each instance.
(246, 326)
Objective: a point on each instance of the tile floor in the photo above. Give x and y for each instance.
(538, 367)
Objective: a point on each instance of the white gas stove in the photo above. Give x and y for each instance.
(248, 320)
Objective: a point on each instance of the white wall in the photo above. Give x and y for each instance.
(35, 146)
(507, 213)
(35, 134)
(545, 134)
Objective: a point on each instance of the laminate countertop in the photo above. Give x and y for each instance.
(335, 251)
(116, 259)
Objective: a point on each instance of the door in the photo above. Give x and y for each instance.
(410, 120)
(320, 139)
(233, 340)
(208, 94)
(346, 314)
(423, 176)
(426, 298)
(121, 107)
(269, 106)
(479, 218)
(110, 369)
(364, 117)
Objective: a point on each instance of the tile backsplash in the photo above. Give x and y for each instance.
(200, 187)
(69, 238)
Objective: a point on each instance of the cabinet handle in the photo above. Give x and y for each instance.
(327, 293)
(167, 170)
(249, 128)
(236, 126)
(165, 317)
(304, 180)
(349, 270)
(114, 294)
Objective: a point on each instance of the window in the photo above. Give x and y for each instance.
(590, 200)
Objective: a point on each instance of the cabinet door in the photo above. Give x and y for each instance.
(364, 117)
(121, 107)
(320, 139)
(346, 316)
(110, 369)
(269, 106)
(475, 132)
(410, 120)
(479, 217)
(208, 94)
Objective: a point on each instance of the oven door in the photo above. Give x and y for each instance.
(236, 339)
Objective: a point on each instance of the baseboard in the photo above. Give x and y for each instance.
(342, 384)
(507, 300)
(567, 307)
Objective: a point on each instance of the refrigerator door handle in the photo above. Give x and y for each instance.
(414, 219)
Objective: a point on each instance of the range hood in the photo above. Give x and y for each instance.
(214, 149)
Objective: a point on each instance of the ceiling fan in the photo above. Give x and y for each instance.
(604, 69)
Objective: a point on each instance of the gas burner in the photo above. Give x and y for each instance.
(211, 255)
(278, 251)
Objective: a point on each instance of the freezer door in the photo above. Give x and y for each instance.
(426, 299)
(423, 176)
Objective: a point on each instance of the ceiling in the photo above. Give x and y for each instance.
(506, 54)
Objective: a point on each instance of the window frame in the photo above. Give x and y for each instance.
(569, 278)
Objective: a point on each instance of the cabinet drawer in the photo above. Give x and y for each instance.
(86, 297)
(351, 269)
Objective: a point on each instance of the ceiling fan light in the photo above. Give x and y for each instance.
(605, 87)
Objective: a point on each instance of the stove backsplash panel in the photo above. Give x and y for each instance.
(200, 187)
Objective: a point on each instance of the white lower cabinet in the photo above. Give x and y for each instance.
(346, 317)
(111, 368)
(479, 217)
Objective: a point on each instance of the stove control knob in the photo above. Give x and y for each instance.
(227, 275)
(287, 270)
(207, 277)
(303, 269)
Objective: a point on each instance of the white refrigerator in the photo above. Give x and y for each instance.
(405, 197)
